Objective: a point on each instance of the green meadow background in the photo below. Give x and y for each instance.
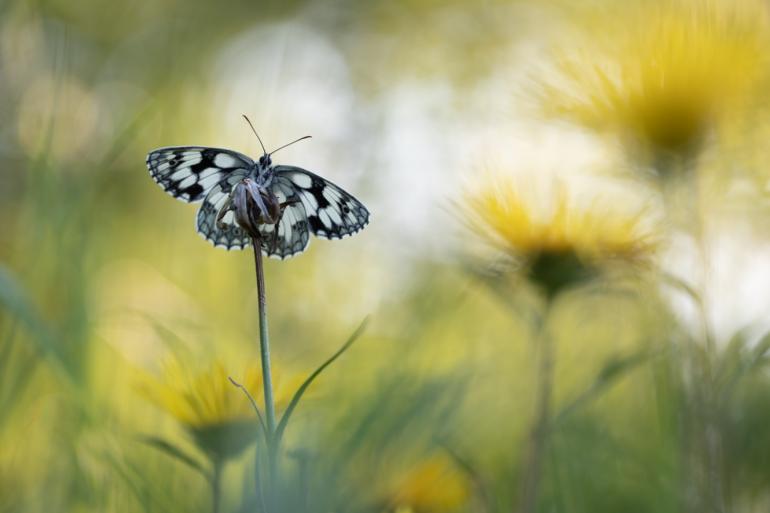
(660, 392)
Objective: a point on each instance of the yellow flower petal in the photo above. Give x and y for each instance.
(664, 75)
(509, 215)
(431, 486)
(207, 399)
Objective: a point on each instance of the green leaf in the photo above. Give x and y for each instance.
(301, 390)
(614, 369)
(739, 360)
(14, 299)
(759, 354)
(464, 465)
(145, 487)
(175, 452)
(682, 286)
(168, 336)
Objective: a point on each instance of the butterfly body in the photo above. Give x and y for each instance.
(290, 202)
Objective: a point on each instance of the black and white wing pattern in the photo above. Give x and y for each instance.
(188, 173)
(331, 213)
(282, 240)
(312, 205)
(289, 236)
(229, 235)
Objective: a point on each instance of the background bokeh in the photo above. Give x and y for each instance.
(110, 302)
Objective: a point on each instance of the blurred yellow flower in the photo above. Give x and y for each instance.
(431, 486)
(219, 416)
(559, 240)
(664, 75)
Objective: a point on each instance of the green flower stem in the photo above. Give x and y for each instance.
(267, 380)
(711, 432)
(264, 340)
(216, 485)
(701, 439)
(533, 467)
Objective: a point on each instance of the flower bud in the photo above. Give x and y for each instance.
(254, 205)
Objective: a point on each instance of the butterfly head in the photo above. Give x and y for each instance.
(265, 161)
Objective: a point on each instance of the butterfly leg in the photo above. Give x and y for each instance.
(288, 203)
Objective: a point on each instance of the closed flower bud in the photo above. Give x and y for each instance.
(254, 206)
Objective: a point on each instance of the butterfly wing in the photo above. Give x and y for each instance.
(311, 203)
(291, 234)
(188, 173)
(330, 212)
(281, 240)
(226, 233)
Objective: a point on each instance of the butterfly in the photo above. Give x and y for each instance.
(309, 203)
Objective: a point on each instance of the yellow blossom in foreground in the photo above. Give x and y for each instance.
(664, 75)
(431, 486)
(559, 239)
(218, 414)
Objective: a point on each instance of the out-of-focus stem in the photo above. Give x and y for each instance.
(533, 467)
(701, 438)
(711, 432)
(216, 486)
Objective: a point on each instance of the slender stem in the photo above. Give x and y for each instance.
(701, 434)
(704, 394)
(253, 405)
(533, 469)
(267, 380)
(264, 340)
(216, 486)
(259, 485)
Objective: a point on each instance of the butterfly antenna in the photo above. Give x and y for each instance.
(255, 133)
(289, 144)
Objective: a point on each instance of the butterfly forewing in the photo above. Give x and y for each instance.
(188, 173)
(331, 213)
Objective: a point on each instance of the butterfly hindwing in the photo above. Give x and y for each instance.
(189, 172)
(227, 233)
(282, 240)
(331, 213)
(289, 236)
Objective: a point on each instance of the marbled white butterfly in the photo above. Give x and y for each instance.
(309, 203)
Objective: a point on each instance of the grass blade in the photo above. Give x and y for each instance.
(609, 374)
(301, 390)
(14, 299)
(175, 452)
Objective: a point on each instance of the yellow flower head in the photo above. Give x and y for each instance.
(559, 239)
(217, 414)
(664, 75)
(431, 486)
